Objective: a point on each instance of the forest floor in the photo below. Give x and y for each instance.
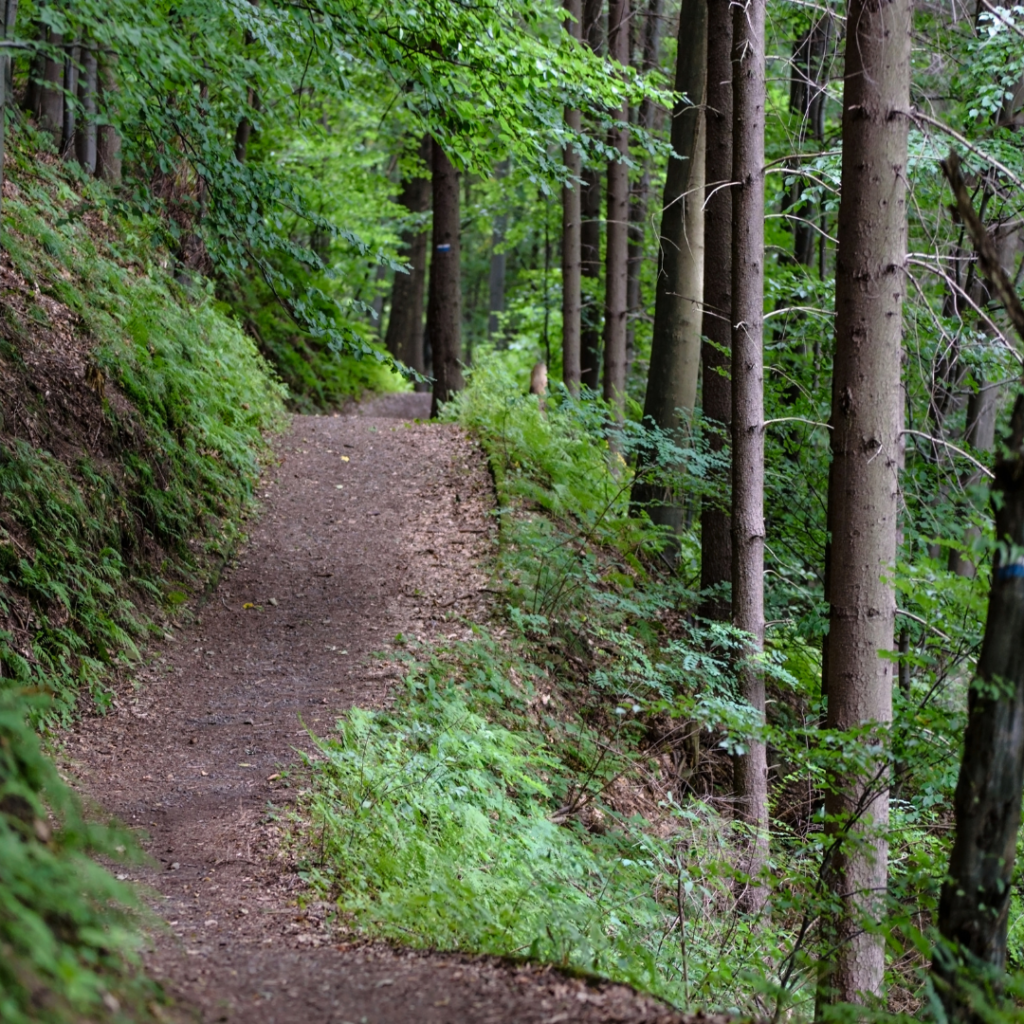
(201, 754)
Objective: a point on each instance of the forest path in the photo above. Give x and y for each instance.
(344, 555)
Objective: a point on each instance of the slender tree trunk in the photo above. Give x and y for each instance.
(617, 225)
(750, 769)
(85, 135)
(863, 481)
(499, 261)
(572, 209)
(51, 96)
(444, 306)
(647, 118)
(108, 140)
(404, 338)
(590, 233)
(715, 523)
(8, 17)
(68, 126)
(675, 346)
(244, 129)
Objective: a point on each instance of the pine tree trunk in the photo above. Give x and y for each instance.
(8, 17)
(51, 98)
(444, 306)
(404, 337)
(750, 769)
(85, 134)
(69, 125)
(590, 232)
(647, 118)
(617, 225)
(108, 140)
(715, 522)
(863, 480)
(675, 346)
(571, 238)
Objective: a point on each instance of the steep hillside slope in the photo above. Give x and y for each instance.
(132, 422)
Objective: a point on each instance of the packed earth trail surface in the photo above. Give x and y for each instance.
(371, 526)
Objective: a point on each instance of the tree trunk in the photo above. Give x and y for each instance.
(85, 135)
(571, 238)
(243, 131)
(444, 305)
(617, 225)
(647, 118)
(8, 16)
(499, 261)
(404, 338)
(590, 232)
(675, 346)
(750, 769)
(51, 96)
(715, 523)
(68, 127)
(108, 140)
(863, 480)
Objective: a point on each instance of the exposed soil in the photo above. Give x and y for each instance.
(345, 555)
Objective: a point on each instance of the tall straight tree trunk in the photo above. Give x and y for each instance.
(8, 17)
(51, 96)
(69, 122)
(499, 262)
(617, 225)
(108, 139)
(750, 769)
(85, 134)
(444, 305)
(975, 899)
(404, 337)
(675, 346)
(715, 522)
(590, 232)
(863, 480)
(647, 118)
(572, 209)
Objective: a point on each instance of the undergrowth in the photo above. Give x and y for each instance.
(130, 443)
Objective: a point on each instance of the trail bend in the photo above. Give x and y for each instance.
(370, 526)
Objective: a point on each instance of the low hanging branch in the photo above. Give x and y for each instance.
(969, 963)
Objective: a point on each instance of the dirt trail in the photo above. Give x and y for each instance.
(345, 555)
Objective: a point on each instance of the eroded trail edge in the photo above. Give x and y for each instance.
(371, 527)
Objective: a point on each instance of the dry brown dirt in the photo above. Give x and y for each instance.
(344, 556)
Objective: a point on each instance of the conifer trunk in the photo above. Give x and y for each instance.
(69, 121)
(617, 224)
(404, 336)
(590, 232)
(8, 17)
(750, 768)
(108, 140)
(572, 210)
(51, 97)
(863, 480)
(85, 134)
(444, 305)
(715, 523)
(675, 346)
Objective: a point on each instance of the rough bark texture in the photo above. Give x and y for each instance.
(975, 898)
(715, 523)
(750, 769)
(51, 97)
(617, 225)
(572, 301)
(8, 16)
(108, 140)
(675, 346)
(404, 337)
(863, 481)
(68, 123)
(444, 306)
(648, 116)
(85, 135)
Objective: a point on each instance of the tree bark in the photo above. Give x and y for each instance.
(51, 96)
(863, 480)
(572, 301)
(750, 769)
(108, 140)
(404, 337)
(8, 17)
(675, 346)
(590, 233)
(715, 522)
(499, 262)
(617, 225)
(647, 118)
(444, 305)
(85, 134)
(68, 124)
